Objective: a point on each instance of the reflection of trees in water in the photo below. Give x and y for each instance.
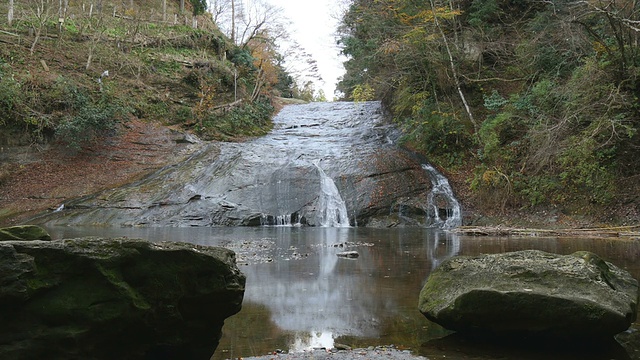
(323, 297)
(624, 253)
(319, 294)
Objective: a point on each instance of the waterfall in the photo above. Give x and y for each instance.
(332, 209)
(444, 209)
(287, 220)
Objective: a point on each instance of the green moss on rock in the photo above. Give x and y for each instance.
(24, 232)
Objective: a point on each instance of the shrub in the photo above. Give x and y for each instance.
(245, 120)
(10, 96)
(90, 118)
(435, 131)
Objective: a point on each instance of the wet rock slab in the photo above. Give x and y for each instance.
(531, 292)
(278, 179)
(95, 298)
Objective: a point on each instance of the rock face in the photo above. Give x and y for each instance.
(274, 179)
(24, 232)
(531, 292)
(96, 298)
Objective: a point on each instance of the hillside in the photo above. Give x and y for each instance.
(531, 105)
(99, 98)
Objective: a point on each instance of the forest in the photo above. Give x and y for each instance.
(534, 102)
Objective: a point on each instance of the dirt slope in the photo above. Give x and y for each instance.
(38, 179)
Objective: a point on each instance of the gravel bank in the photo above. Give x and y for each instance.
(371, 353)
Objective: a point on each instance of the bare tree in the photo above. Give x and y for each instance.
(244, 20)
(256, 18)
(219, 8)
(233, 20)
(40, 16)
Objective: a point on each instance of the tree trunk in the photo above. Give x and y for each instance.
(181, 6)
(233, 21)
(454, 72)
(35, 39)
(164, 10)
(10, 14)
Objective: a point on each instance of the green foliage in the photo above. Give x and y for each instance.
(495, 101)
(538, 190)
(483, 12)
(587, 169)
(10, 97)
(251, 119)
(436, 132)
(90, 118)
(199, 6)
(242, 58)
(363, 93)
(71, 27)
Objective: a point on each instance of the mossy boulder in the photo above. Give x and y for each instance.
(95, 298)
(24, 232)
(531, 292)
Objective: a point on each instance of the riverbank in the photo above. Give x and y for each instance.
(370, 353)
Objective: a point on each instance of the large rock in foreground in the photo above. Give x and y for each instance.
(96, 298)
(531, 292)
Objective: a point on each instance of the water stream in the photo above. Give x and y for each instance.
(333, 210)
(444, 209)
(300, 294)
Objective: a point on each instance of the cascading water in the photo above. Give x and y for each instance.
(273, 181)
(444, 210)
(332, 209)
(280, 220)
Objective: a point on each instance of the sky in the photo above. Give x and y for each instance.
(313, 25)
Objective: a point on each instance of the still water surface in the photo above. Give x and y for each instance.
(300, 294)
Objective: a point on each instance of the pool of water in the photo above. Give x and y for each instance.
(300, 294)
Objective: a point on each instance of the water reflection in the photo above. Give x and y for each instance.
(444, 246)
(316, 298)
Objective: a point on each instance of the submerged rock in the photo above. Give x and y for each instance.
(531, 292)
(348, 254)
(122, 298)
(24, 232)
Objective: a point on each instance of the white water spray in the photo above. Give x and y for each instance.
(441, 200)
(331, 208)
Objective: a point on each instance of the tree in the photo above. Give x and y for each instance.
(265, 62)
(41, 13)
(242, 21)
(259, 29)
(10, 13)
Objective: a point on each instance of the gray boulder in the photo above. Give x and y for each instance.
(24, 232)
(94, 298)
(531, 292)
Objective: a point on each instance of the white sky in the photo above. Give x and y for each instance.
(314, 25)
